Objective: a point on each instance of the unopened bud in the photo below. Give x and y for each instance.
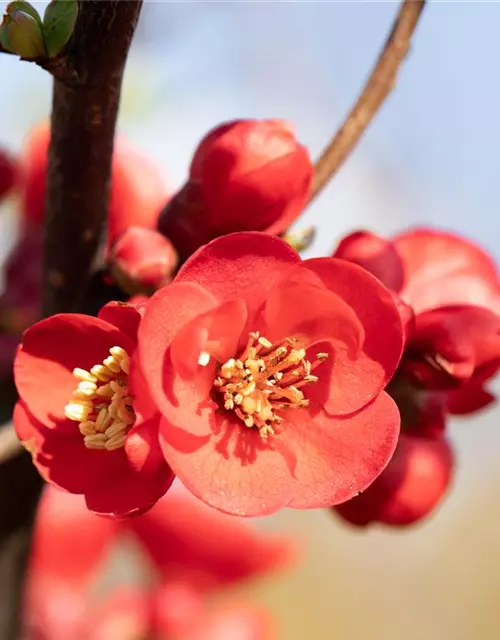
(142, 260)
(246, 175)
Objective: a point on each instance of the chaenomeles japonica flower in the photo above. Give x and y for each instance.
(188, 550)
(245, 175)
(77, 378)
(448, 291)
(269, 374)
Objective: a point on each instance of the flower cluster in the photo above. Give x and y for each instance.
(448, 292)
(190, 552)
(256, 377)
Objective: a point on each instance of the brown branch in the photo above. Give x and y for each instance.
(381, 82)
(83, 125)
(9, 443)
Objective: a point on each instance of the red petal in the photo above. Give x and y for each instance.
(137, 479)
(448, 343)
(65, 462)
(69, 541)
(227, 465)
(123, 316)
(310, 312)
(216, 332)
(336, 458)
(468, 399)
(311, 464)
(168, 311)
(240, 265)
(359, 381)
(29, 431)
(189, 541)
(50, 350)
(375, 254)
(412, 486)
(444, 269)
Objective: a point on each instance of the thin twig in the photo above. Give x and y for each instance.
(381, 82)
(9, 443)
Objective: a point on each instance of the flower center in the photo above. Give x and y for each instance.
(266, 378)
(101, 403)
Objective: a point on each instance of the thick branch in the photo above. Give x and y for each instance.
(378, 87)
(83, 125)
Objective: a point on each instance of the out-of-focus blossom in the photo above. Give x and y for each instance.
(453, 289)
(137, 192)
(191, 549)
(269, 374)
(142, 260)
(448, 293)
(9, 173)
(76, 377)
(246, 175)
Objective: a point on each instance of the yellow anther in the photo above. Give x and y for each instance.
(85, 376)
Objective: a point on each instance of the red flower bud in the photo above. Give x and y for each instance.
(8, 173)
(411, 486)
(246, 175)
(142, 260)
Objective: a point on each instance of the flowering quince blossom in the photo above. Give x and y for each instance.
(245, 175)
(269, 374)
(448, 293)
(193, 550)
(137, 191)
(77, 378)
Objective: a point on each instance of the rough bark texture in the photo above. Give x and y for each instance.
(83, 125)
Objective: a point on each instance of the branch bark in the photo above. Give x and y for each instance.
(379, 85)
(83, 126)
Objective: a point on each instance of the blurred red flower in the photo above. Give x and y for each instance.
(75, 375)
(246, 175)
(138, 191)
(192, 549)
(269, 374)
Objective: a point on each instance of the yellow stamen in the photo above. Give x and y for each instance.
(266, 378)
(101, 402)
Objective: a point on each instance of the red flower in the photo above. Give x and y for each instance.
(9, 173)
(245, 175)
(193, 544)
(142, 260)
(78, 382)
(192, 548)
(453, 290)
(269, 374)
(410, 488)
(137, 191)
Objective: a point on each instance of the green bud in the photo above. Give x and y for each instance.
(58, 24)
(25, 7)
(21, 33)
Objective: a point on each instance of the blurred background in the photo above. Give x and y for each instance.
(431, 156)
